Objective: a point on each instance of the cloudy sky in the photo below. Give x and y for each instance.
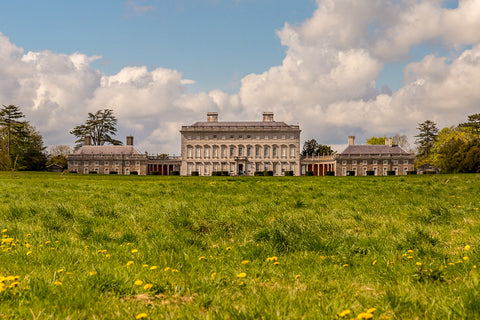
(336, 67)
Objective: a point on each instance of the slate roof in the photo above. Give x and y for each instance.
(373, 149)
(107, 150)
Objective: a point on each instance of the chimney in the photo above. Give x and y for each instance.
(268, 117)
(351, 140)
(388, 142)
(212, 117)
(88, 140)
(129, 140)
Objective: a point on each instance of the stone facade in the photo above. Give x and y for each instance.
(240, 148)
(359, 160)
(107, 159)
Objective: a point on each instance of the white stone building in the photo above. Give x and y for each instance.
(240, 148)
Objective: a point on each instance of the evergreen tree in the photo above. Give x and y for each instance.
(101, 126)
(426, 138)
(473, 123)
(13, 127)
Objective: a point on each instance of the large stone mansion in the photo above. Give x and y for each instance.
(242, 148)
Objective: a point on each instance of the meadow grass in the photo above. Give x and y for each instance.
(126, 247)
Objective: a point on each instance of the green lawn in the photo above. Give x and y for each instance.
(126, 247)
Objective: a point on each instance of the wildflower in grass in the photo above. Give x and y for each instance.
(145, 266)
(7, 240)
(153, 268)
(29, 252)
(374, 262)
(14, 284)
(276, 263)
(28, 245)
(4, 230)
(451, 264)
(410, 257)
(141, 316)
(86, 247)
(60, 270)
(92, 273)
(345, 265)
(467, 247)
(418, 264)
(410, 251)
(202, 258)
(344, 313)
(147, 286)
(245, 261)
(175, 270)
(29, 234)
(57, 283)
(465, 258)
(371, 310)
(270, 259)
(138, 282)
(129, 263)
(68, 273)
(48, 242)
(241, 275)
(229, 248)
(107, 256)
(297, 276)
(134, 250)
(459, 261)
(213, 275)
(364, 315)
(166, 269)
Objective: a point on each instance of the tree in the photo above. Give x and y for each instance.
(402, 141)
(473, 123)
(426, 138)
(376, 140)
(313, 148)
(31, 151)
(58, 155)
(11, 124)
(101, 126)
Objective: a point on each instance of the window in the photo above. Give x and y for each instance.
(127, 163)
(137, 163)
(224, 152)
(106, 171)
(189, 152)
(249, 136)
(266, 137)
(257, 152)
(344, 162)
(215, 152)
(344, 171)
(215, 136)
(375, 171)
(374, 162)
(127, 171)
(355, 172)
(275, 152)
(75, 163)
(258, 137)
(354, 162)
(284, 152)
(206, 138)
(232, 152)
(283, 137)
(85, 170)
(405, 162)
(106, 163)
(396, 170)
(198, 137)
(249, 151)
(395, 162)
(223, 137)
(385, 162)
(198, 152)
(405, 170)
(292, 152)
(240, 137)
(275, 137)
(231, 136)
(266, 152)
(85, 163)
(117, 163)
(189, 137)
(384, 171)
(206, 153)
(240, 151)
(365, 162)
(364, 171)
(257, 167)
(292, 137)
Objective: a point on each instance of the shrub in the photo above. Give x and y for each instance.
(268, 173)
(72, 171)
(258, 173)
(370, 173)
(195, 173)
(309, 173)
(288, 173)
(134, 173)
(174, 173)
(330, 173)
(153, 173)
(225, 173)
(411, 172)
(113, 172)
(350, 173)
(92, 172)
(391, 173)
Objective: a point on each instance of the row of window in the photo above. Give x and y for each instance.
(222, 152)
(376, 172)
(374, 162)
(232, 166)
(105, 163)
(105, 171)
(241, 137)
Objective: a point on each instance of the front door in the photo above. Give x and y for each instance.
(240, 169)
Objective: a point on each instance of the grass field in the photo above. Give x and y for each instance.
(127, 247)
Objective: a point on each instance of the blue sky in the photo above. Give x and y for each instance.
(336, 67)
(214, 43)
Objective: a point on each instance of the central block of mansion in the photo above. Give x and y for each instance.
(242, 148)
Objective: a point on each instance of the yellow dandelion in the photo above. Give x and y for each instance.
(202, 258)
(28, 245)
(14, 284)
(374, 262)
(410, 251)
(57, 283)
(276, 263)
(467, 247)
(107, 256)
(86, 247)
(4, 230)
(344, 313)
(29, 235)
(245, 261)
(297, 276)
(145, 266)
(92, 273)
(141, 316)
(129, 263)
(138, 282)
(465, 258)
(134, 250)
(364, 315)
(174, 270)
(229, 248)
(345, 265)
(148, 286)
(60, 270)
(213, 275)
(68, 273)
(166, 269)
(459, 261)
(29, 252)
(153, 268)
(418, 263)
(371, 310)
(241, 275)
(410, 257)
(48, 242)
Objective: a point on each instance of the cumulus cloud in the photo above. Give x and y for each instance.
(326, 82)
